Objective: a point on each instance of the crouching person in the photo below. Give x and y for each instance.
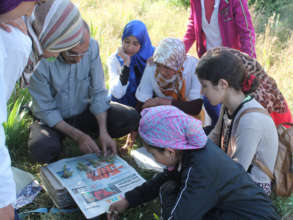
(70, 99)
(201, 181)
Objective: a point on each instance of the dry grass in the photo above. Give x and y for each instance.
(107, 19)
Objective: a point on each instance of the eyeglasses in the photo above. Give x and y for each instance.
(71, 54)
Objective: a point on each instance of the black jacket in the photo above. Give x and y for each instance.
(211, 186)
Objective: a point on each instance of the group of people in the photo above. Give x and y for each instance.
(160, 93)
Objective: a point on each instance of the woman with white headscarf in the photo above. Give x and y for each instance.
(171, 79)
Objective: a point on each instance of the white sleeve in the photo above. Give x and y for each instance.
(145, 88)
(116, 88)
(194, 91)
(7, 184)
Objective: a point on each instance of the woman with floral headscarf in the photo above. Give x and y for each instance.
(225, 75)
(267, 93)
(201, 181)
(170, 80)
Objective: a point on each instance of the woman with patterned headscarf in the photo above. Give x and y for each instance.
(226, 78)
(54, 26)
(201, 181)
(267, 92)
(170, 80)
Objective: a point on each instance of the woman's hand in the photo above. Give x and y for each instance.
(150, 61)
(7, 213)
(124, 56)
(17, 23)
(116, 208)
(156, 101)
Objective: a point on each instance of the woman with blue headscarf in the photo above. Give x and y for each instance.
(127, 65)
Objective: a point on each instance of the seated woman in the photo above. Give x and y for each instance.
(201, 181)
(224, 80)
(127, 65)
(170, 79)
(267, 93)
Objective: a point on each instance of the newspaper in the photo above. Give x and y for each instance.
(94, 183)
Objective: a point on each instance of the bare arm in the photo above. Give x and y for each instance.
(85, 143)
(7, 213)
(105, 139)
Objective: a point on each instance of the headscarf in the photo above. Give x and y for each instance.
(171, 53)
(137, 29)
(8, 5)
(167, 127)
(267, 93)
(55, 26)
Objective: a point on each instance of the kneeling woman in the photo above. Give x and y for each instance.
(170, 80)
(201, 181)
(245, 138)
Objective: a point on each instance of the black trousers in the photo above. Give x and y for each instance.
(45, 145)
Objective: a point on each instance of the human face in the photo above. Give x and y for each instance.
(167, 157)
(24, 8)
(76, 53)
(131, 45)
(214, 93)
(166, 72)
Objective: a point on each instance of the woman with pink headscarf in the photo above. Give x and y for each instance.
(201, 181)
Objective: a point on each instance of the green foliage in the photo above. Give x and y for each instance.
(268, 6)
(16, 122)
(184, 3)
(284, 206)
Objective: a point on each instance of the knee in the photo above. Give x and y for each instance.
(42, 146)
(134, 118)
(43, 154)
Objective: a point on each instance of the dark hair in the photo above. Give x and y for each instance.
(221, 64)
(160, 149)
(178, 153)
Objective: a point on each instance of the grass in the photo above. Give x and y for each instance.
(163, 19)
